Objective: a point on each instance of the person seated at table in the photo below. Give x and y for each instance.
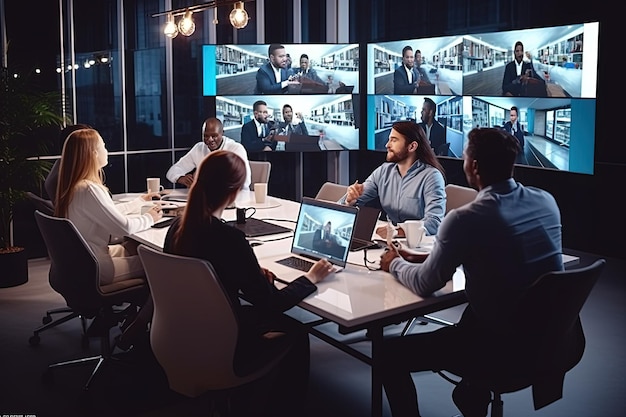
(50, 184)
(505, 239)
(409, 185)
(83, 198)
(200, 233)
(212, 139)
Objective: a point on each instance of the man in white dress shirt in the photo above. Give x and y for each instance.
(212, 140)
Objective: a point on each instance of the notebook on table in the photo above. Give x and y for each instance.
(323, 230)
(366, 220)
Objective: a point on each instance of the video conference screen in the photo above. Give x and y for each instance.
(475, 81)
(313, 112)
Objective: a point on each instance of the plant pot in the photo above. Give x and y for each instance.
(13, 267)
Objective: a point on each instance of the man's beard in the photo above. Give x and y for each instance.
(397, 157)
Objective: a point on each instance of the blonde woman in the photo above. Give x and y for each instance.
(83, 198)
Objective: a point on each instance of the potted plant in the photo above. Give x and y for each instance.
(24, 109)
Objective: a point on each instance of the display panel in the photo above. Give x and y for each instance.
(329, 120)
(475, 80)
(313, 68)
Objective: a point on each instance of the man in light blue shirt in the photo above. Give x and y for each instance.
(505, 239)
(409, 186)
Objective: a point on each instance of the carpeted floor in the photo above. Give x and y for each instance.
(339, 384)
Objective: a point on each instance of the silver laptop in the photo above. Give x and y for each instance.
(323, 230)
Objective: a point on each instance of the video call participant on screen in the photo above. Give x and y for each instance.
(288, 126)
(405, 77)
(409, 185)
(274, 76)
(50, 184)
(264, 330)
(418, 67)
(435, 131)
(325, 241)
(514, 127)
(306, 71)
(85, 200)
(517, 74)
(487, 237)
(213, 139)
(256, 135)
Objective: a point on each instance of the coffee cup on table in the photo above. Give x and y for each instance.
(242, 214)
(154, 185)
(414, 231)
(260, 192)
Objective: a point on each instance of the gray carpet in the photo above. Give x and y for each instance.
(339, 384)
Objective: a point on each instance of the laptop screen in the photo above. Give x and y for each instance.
(324, 230)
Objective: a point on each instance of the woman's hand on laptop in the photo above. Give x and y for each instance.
(319, 271)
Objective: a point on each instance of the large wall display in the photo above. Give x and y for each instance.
(474, 81)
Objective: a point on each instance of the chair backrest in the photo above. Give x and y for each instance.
(549, 331)
(457, 195)
(259, 172)
(74, 269)
(331, 191)
(194, 327)
(443, 149)
(41, 204)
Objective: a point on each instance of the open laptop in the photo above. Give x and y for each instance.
(323, 230)
(366, 220)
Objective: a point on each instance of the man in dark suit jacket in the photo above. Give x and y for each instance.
(405, 78)
(276, 68)
(287, 126)
(256, 135)
(435, 131)
(514, 127)
(518, 75)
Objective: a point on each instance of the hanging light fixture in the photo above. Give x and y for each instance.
(238, 16)
(171, 30)
(186, 26)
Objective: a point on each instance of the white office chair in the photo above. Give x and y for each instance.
(259, 172)
(331, 191)
(457, 196)
(194, 327)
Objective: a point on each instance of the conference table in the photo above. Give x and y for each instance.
(355, 299)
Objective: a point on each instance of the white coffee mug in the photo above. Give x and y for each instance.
(154, 185)
(414, 231)
(260, 192)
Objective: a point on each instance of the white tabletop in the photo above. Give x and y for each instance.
(353, 297)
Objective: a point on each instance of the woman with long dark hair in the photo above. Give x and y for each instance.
(200, 233)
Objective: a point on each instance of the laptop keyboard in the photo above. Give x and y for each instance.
(296, 263)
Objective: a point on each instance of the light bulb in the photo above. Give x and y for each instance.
(186, 26)
(171, 30)
(238, 16)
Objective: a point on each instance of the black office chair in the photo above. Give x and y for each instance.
(45, 206)
(547, 324)
(74, 273)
